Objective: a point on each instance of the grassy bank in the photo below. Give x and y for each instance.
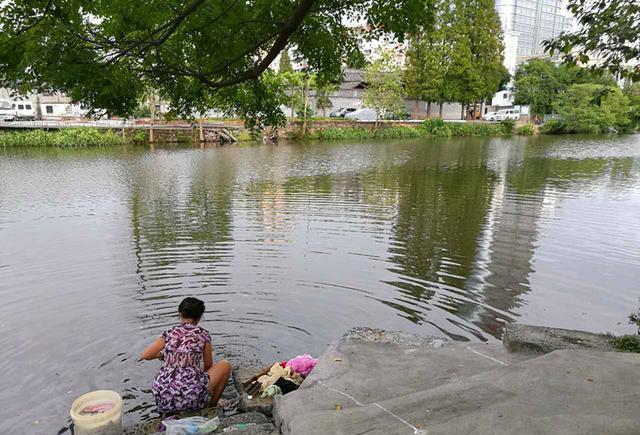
(428, 128)
(72, 138)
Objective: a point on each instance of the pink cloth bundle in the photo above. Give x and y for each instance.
(302, 364)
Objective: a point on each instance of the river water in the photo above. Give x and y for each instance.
(291, 245)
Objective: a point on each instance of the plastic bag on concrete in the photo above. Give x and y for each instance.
(191, 425)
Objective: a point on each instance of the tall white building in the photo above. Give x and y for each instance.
(531, 22)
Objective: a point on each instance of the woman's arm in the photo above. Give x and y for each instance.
(154, 350)
(207, 356)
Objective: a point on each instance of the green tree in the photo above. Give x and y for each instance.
(632, 91)
(293, 82)
(473, 57)
(285, 62)
(536, 84)
(355, 59)
(424, 72)
(323, 101)
(487, 46)
(384, 87)
(592, 108)
(462, 80)
(608, 30)
(198, 54)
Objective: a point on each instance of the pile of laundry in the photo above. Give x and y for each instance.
(281, 378)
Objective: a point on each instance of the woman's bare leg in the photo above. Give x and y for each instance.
(218, 376)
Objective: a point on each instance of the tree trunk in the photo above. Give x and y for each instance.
(152, 109)
(428, 109)
(306, 105)
(440, 110)
(417, 109)
(462, 111)
(200, 130)
(481, 108)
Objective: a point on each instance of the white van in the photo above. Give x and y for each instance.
(6, 111)
(24, 110)
(508, 114)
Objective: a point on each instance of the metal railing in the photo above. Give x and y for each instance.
(106, 124)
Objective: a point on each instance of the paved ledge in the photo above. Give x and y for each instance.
(541, 339)
(379, 383)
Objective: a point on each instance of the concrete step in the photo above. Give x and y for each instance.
(355, 373)
(564, 392)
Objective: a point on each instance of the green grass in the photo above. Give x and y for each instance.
(627, 343)
(428, 128)
(66, 138)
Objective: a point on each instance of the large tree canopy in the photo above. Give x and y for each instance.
(607, 36)
(197, 54)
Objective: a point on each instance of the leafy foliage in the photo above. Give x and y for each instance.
(538, 83)
(508, 125)
(428, 128)
(585, 108)
(355, 59)
(384, 92)
(424, 72)
(197, 54)
(627, 343)
(475, 52)
(284, 66)
(552, 126)
(634, 318)
(526, 130)
(323, 102)
(77, 137)
(608, 31)
(632, 91)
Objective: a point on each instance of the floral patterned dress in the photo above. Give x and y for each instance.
(181, 384)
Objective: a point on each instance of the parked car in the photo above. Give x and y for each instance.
(340, 113)
(6, 111)
(363, 115)
(489, 116)
(24, 110)
(508, 114)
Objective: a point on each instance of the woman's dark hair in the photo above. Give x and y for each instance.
(191, 308)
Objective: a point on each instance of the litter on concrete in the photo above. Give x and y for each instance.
(286, 376)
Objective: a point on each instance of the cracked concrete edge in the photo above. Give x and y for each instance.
(373, 335)
(542, 339)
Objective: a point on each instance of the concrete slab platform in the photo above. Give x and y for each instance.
(371, 388)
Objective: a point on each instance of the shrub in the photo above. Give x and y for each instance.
(428, 128)
(526, 130)
(345, 133)
(244, 136)
(552, 126)
(508, 125)
(396, 133)
(627, 343)
(141, 136)
(593, 108)
(434, 127)
(72, 137)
